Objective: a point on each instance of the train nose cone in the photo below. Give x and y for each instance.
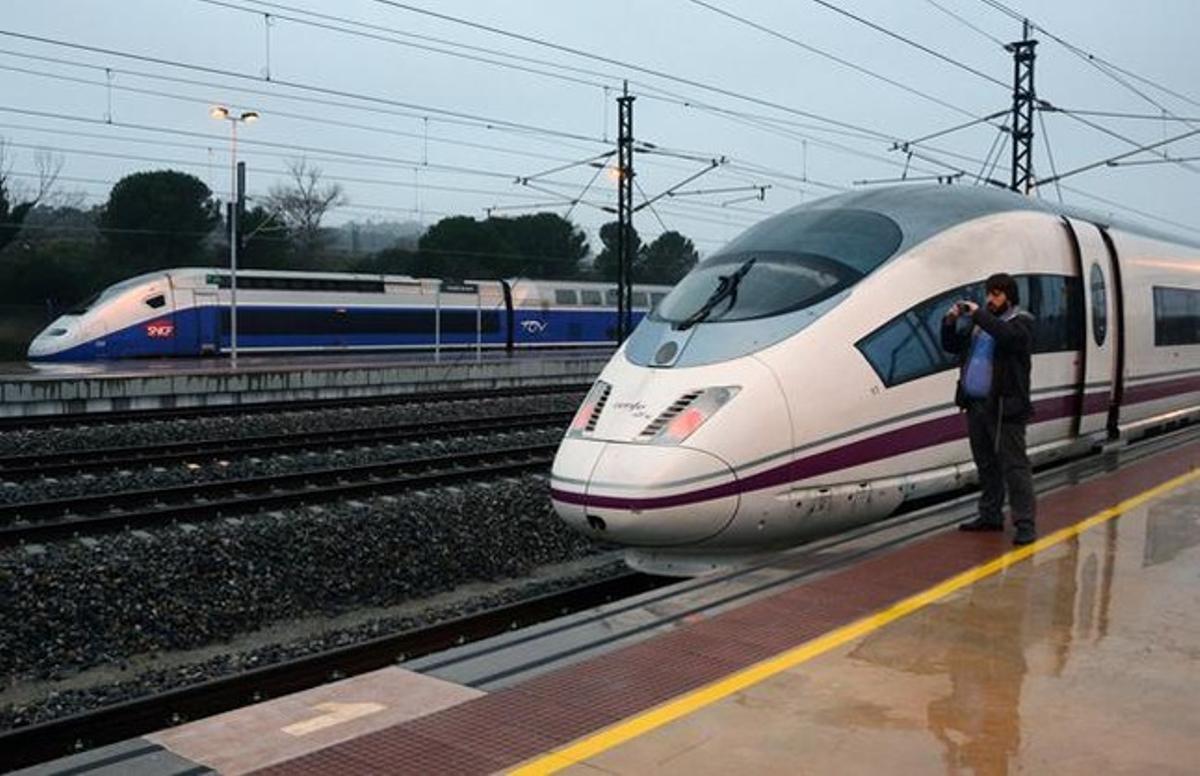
(643, 495)
(41, 347)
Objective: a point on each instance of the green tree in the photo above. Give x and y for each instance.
(462, 247)
(542, 245)
(605, 265)
(549, 246)
(666, 260)
(158, 219)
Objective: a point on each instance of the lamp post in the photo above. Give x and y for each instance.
(221, 112)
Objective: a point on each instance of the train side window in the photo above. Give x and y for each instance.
(641, 300)
(156, 301)
(901, 351)
(610, 297)
(565, 296)
(656, 297)
(1176, 316)
(1057, 308)
(591, 297)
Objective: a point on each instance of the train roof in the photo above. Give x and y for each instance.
(924, 210)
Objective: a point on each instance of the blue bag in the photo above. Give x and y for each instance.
(977, 377)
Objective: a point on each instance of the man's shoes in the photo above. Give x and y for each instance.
(979, 524)
(1025, 535)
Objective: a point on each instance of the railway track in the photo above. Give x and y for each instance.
(84, 515)
(21, 467)
(37, 743)
(293, 405)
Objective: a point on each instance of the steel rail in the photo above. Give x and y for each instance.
(17, 467)
(210, 500)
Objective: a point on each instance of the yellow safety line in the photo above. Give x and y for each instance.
(622, 731)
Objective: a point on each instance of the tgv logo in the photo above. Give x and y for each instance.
(533, 326)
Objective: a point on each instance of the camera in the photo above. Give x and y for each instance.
(962, 308)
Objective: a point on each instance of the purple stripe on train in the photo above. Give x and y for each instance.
(918, 436)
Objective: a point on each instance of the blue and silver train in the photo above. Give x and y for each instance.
(186, 313)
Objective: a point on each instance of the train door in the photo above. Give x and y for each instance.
(206, 312)
(1098, 377)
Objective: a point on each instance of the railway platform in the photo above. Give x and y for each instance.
(51, 389)
(911, 648)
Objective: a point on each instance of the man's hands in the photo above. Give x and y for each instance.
(961, 307)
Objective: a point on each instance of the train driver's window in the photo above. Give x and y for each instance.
(565, 296)
(156, 301)
(901, 350)
(932, 312)
(592, 297)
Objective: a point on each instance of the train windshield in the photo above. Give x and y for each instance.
(786, 263)
(110, 292)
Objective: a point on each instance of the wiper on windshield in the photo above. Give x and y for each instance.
(727, 286)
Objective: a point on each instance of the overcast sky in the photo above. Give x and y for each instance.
(417, 134)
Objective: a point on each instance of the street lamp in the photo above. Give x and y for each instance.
(221, 112)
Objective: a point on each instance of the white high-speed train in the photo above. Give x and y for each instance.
(793, 385)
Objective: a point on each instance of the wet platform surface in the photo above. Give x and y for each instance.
(1082, 659)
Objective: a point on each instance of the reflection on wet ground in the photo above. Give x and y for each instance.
(1082, 659)
(1171, 529)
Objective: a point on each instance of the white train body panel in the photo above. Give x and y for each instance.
(816, 440)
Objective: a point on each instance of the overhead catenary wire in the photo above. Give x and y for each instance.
(428, 109)
(897, 36)
(833, 57)
(725, 92)
(967, 23)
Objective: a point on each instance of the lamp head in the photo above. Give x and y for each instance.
(250, 116)
(219, 112)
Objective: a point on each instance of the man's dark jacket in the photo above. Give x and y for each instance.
(1009, 396)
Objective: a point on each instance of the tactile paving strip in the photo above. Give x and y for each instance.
(504, 728)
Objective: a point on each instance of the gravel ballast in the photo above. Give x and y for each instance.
(91, 437)
(74, 604)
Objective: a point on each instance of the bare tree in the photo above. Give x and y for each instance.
(48, 167)
(18, 199)
(302, 203)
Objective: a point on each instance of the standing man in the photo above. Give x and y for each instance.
(993, 387)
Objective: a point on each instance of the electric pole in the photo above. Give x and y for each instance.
(624, 215)
(1024, 98)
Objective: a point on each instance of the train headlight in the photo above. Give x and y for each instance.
(690, 412)
(589, 412)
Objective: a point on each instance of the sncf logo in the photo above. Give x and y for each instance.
(533, 326)
(161, 329)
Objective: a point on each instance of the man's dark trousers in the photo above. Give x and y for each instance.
(1001, 462)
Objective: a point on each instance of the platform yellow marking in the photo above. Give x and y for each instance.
(601, 741)
(335, 714)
